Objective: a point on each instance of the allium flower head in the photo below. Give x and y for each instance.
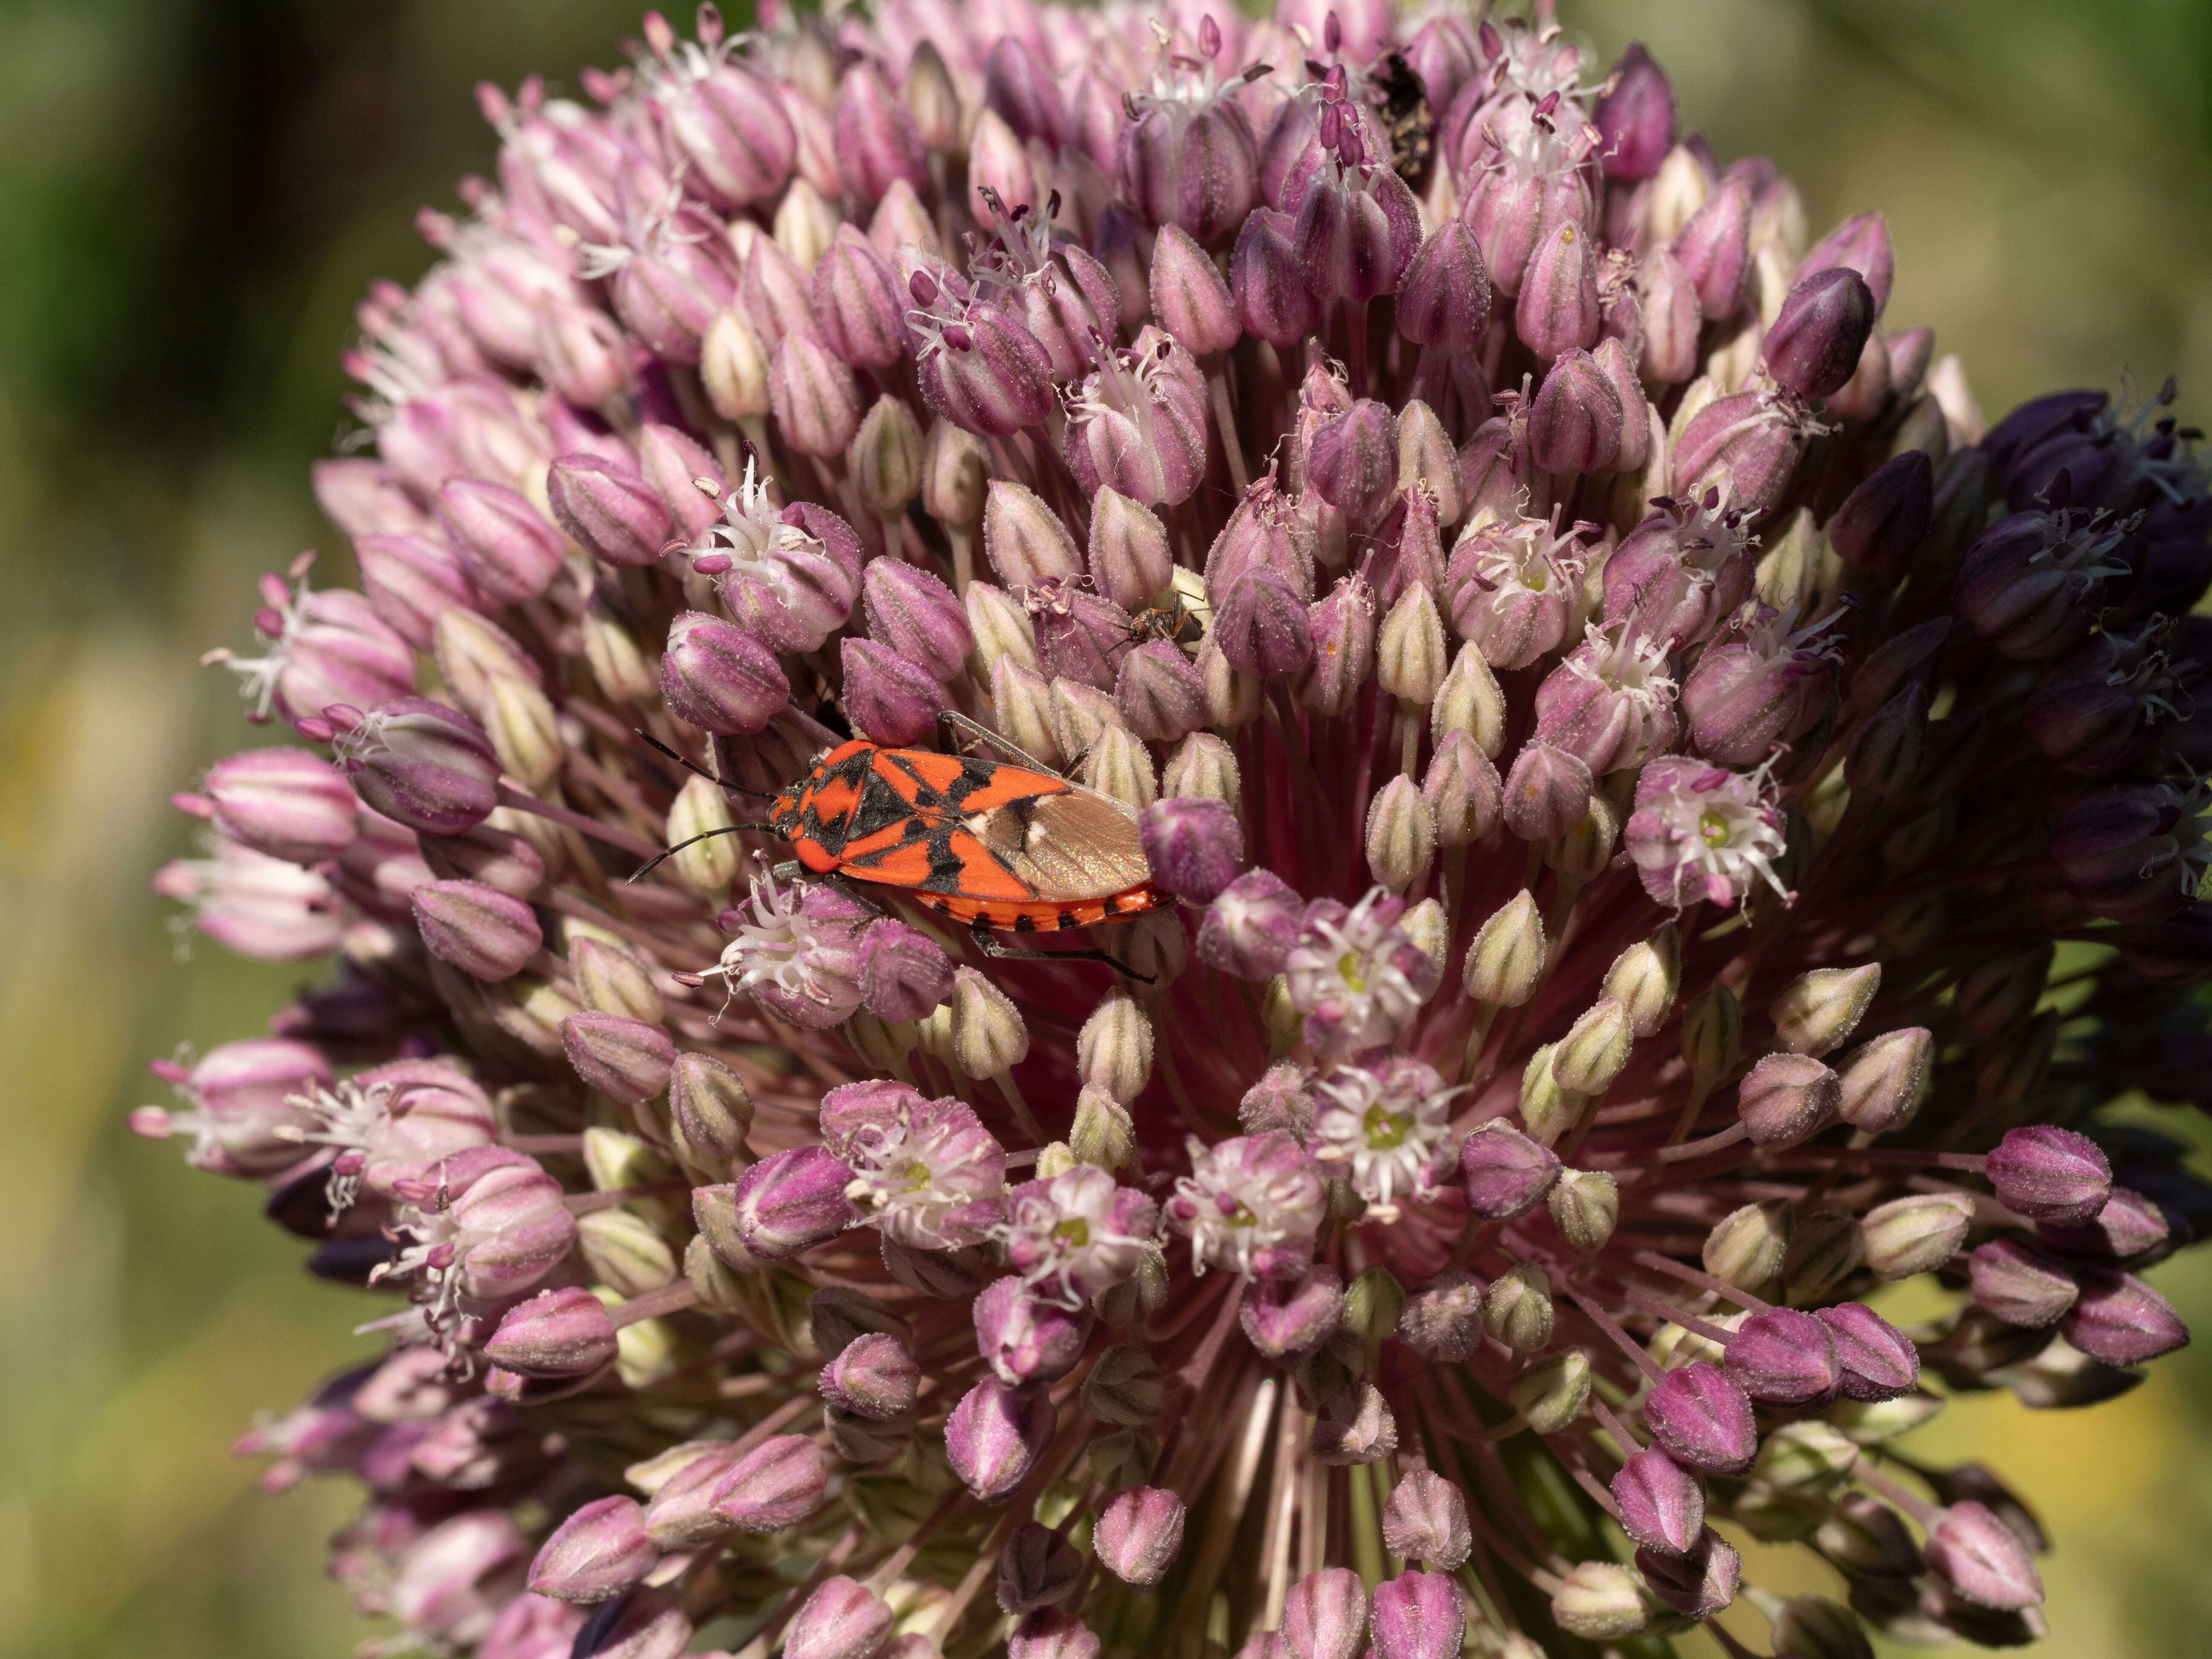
(1583, 760)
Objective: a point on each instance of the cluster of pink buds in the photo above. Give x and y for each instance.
(1607, 822)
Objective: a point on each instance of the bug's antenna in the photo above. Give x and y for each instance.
(693, 766)
(669, 852)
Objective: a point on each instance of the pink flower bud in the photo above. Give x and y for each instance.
(1576, 424)
(1743, 443)
(860, 303)
(874, 1376)
(1702, 1417)
(362, 498)
(1876, 1360)
(1418, 1615)
(1882, 522)
(1160, 693)
(842, 1620)
(888, 697)
(1325, 1615)
(903, 973)
(1049, 1633)
(1635, 116)
(1024, 539)
(1785, 1358)
(2128, 1228)
(1193, 164)
(1715, 249)
(580, 352)
(1189, 296)
(1020, 87)
(2122, 1321)
(503, 543)
(669, 294)
(285, 803)
(878, 144)
(1745, 697)
(1444, 297)
(533, 1627)
(1273, 298)
(720, 678)
(1814, 345)
(409, 579)
(995, 1434)
(1037, 1568)
(1137, 1534)
(1288, 1318)
(1506, 1175)
(241, 1093)
(777, 296)
(1025, 1338)
(1696, 1585)
(728, 124)
(2049, 1173)
(626, 1060)
(676, 467)
(1442, 1321)
(1426, 1521)
(1341, 625)
(1861, 244)
(986, 373)
(1982, 1559)
(555, 1334)
(611, 513)
(1353, 460)
(1662, 1507)
(595, 1554)
(1787, 1098)
(1548, 792)
(2018, 1284)
(1260, 624)
(1250, 926)
(793, 1201)
(1194, 845)
(1356, 231)
(1558, 309)
(778, 1484)
(815, 400)
(479, 929)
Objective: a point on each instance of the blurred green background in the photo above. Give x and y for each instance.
(192, 195)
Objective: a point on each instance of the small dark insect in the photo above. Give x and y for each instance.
(1174, 622)
(1406, 117)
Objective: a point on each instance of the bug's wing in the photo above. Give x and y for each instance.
(1072, 845)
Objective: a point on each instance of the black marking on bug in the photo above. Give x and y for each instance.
(1403, 107)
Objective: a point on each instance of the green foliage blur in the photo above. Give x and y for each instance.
(192, 195)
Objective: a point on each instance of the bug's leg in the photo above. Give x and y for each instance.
(976, 729)
(991, 945)
(669, 852)
(849, 889)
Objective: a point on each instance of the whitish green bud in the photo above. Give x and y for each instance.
(885, 458)
(1645, 978)
(646, 1351)
(988, 1036)
(1517, 1308)
(1430, 929)
(1814, 1627)
(1021, 708)
(1793, 570)
(1746, 1248)
(618, 661)
(1284, 1023)
(1809, 1457)
(881, 1043)
(1470, 701)
(1056, 1158)
(1401, 834)
(1598, 1602)
(527, 1008)
(1203, 765)
(1554, 1392)
(1232, 699)
(1426, 457)
(1124, 1458)
(1886, 1079)
(1546, 1108)
(1410, 655)
(1712, 1033)
(1505, 963)
(1867, 1539)
(706, 867)
(1121, 765)
(1585, 1205)
(524, 730)
(712, 1281)
(1145, 1294)
(1815, 1013)
(1124, 1388)
(1585, 850)
(1114, 1050)
(1000, 626)
(1916, 1234)
(933, 1032)
(1101, 1132)
(613, 981)
(1826, 1249)
(956, 474)
(625, 1252)
(1869, 1423)
(1595, 1049)
(1372, 1303)
(615, 1159)
(1079, 713)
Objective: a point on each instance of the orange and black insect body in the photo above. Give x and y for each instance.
(1002, 846)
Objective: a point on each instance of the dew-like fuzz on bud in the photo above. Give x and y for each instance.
(1302, 852)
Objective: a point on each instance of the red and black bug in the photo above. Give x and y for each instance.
(1000, 846)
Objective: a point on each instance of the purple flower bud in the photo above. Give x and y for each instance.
(1877, 1360)
(1635, 116)
(1558, 309)
(2128, 1228)
(1861, 244)
(1020, 87)
(1426, 1521)
(479, 929)
(285, 803)
(1548, 792)
(2130, 851)
(1418, 1615)
(1273, 300)
(1506, 1175)
(2018, 1284)
(874, 1376)
(915, 615)
(888, 697)
(727, 124)
(419, 764)
(676, 466)
(1745, 697)
(1982, 1559)
(1250, 926)
(1700, 1415)
(1784, 1358)
(842, 1620)
(1162, 695)
(1814, 345)
(626, 1060)
(987, 374)
(1025, 540)
(1037, 1568)
(1194, 845)
(1259, 625)
(1285, 1318)
(503, 543)
(878, 143)
(1128, 557)
(595, 1554)
(1047, 1633)
(1884, 519)
(1138, 422)
(1324, 1614)
(1137, 1534)
(1353, 460)
(720, 678)
(362, 498)
(815, 400)
(995, 1434)
(1745, 444)
(777, 296)
(1662, 1507)
(1025, 1339)
(778, 1484)
(557, 1333)
(2122, 1321)
(793, 1201)
(903, 973)
(1190, 298)
(1193, 164)
(2049, 1173)
(610, 513)
(1714, 249)
(411, 580)
(1442, 1321)
(1576, 423)
(1787, 1098)
(1443, 298)
(1697, 1584)
(860, 303)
